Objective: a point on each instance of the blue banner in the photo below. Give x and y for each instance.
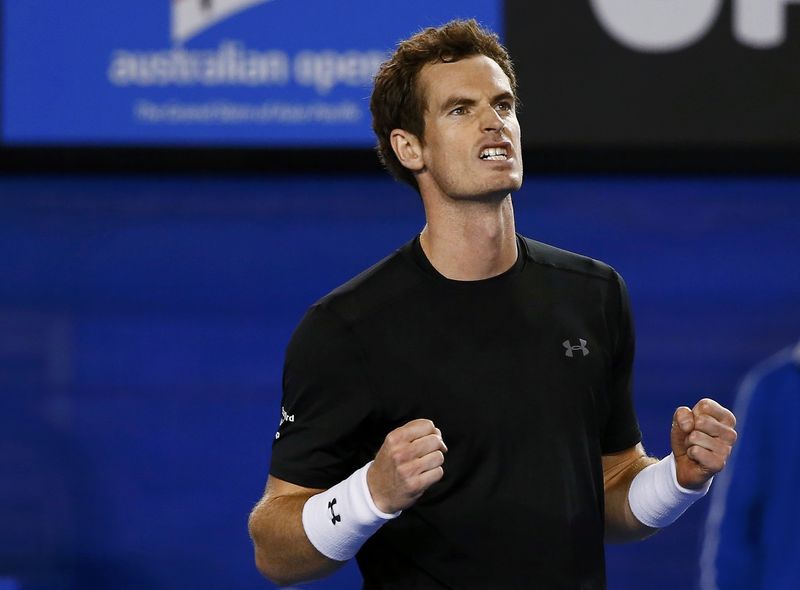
(206, 72)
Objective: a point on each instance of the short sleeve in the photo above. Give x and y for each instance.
(621, 427)
(326, 404)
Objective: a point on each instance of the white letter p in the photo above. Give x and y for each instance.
(761, 23)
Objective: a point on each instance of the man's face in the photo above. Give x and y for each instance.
(471, 147)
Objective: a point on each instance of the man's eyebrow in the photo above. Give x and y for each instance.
(504, 96)
(454, 101)
(457, 101)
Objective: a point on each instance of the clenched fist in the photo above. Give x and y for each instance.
(408, 463)
(702, 440)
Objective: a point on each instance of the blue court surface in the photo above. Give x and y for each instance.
(143, 322)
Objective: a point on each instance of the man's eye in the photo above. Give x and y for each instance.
(458, 111)
(505, 106)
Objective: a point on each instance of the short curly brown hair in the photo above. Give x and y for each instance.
(397, 101)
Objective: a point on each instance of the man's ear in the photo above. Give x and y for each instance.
(408, 149)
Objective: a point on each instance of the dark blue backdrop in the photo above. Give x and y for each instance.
(143, 322)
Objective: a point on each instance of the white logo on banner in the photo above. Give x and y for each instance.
(761, 23)
(230, 63)
(658, 26)
(191, 17)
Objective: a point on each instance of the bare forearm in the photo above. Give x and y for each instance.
(408, 463)
(621, 525)
(283, 552)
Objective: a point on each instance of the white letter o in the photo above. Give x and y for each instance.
(656, 26)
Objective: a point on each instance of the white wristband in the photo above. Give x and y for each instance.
(655, 496)
(339, 520)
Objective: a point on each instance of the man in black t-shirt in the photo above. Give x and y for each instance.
(516, 353)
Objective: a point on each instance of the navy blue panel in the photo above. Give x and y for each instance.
(143, 322)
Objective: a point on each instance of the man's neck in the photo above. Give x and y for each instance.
(470, 241)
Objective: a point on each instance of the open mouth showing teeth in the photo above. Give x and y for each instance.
(494, 154)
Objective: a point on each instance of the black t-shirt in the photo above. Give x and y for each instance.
(528, 376)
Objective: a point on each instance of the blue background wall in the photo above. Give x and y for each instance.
(143, 322)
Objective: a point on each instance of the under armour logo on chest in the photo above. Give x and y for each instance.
(334, 517)
(571, 350)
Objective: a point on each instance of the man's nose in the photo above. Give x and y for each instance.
(491, 120)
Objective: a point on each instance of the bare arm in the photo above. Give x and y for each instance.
(283, 552)
(701, 438)
(408, 463)
(619, 469)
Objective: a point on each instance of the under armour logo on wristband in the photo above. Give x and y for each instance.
(572, 349)
(334, 517)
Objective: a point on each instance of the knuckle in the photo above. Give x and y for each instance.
(398, 457)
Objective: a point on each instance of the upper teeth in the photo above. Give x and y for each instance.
(495, 153)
